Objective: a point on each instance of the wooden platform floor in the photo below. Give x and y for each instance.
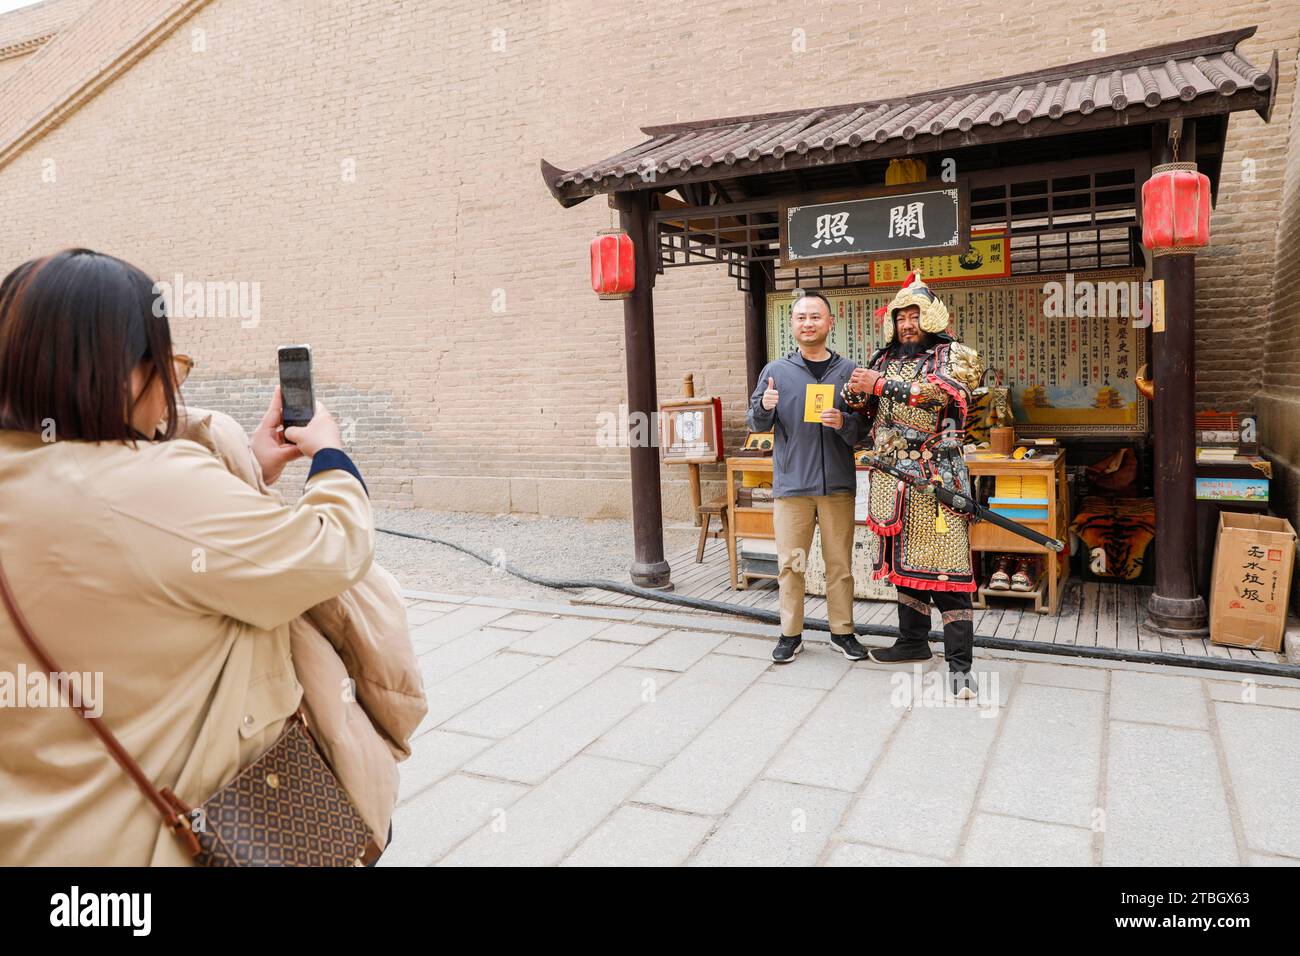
(1096, 615)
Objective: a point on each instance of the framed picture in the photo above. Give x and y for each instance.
(690, 431)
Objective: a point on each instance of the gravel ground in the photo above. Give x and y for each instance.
(562, 547)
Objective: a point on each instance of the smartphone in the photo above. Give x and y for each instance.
(296, 390)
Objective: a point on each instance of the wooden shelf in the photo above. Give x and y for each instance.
(1036, 593)
(747, 522)
(986, 536)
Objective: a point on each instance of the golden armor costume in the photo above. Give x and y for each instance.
(917, 421)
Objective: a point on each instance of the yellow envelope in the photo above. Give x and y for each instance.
(817, 399)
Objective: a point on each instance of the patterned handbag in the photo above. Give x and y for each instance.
(286, 808)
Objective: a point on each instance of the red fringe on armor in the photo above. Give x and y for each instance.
(885, 530)
(922, 584)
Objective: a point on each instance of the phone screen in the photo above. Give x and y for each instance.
(295, 386)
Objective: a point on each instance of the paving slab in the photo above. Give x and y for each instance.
(716, 767)
(524, 622)
(422, 613)
(923, 788)
(1158, 699)
(551, 820)
(532, 695)
(859, 854)
(439, 753)
(1059, 675)
(775, 824)
(533, 753)
(817, 665)
(429, 825)
(641, 836)
(676, 650)
(657, 732)
(748, 647)
(1047, 764)
(454, 656)
(1165, 803)
(447, 627)
(557, 637)
(1004, 841)
(1247, 691)
(1262, 748)
(466, 688)
(627, 633)
(838, 743)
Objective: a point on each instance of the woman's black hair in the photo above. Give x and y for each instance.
(73, 326)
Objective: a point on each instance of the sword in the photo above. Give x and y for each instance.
(964, 505)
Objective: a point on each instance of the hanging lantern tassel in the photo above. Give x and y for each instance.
(1175, 209)
(613, 265)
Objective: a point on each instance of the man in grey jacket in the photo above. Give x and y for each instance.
(814, 478)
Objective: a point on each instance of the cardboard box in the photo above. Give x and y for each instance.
(1251, 582)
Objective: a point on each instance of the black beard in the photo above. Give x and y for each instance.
(910, 350)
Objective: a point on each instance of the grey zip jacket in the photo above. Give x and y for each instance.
(808, 457)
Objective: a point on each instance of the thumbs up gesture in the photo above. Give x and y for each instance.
(771, 395)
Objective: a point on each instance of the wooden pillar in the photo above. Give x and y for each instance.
(1175, 606)
(755, 324)
(649, 569)
(693, 470)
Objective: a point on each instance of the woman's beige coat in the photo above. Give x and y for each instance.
(352, 654)
(159, 569)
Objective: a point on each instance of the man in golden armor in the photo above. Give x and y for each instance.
(914, 393)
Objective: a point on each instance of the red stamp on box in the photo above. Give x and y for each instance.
(1275, 554)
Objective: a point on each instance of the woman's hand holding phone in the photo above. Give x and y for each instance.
(270, 448)
(274, 446)
(318, 434)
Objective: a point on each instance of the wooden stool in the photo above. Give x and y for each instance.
(718, 506)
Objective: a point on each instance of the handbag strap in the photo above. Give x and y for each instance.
(170, 807)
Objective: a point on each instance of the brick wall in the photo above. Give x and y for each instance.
(1279, 399)
(443, 290)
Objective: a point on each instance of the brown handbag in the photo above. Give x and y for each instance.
(286, 808)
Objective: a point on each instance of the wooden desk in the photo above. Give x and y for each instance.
(747, 522)
(985, 536)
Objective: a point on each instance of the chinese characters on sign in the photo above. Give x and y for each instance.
(832, 228)
(988, 257)
(921, 221)
(1258, 584)
(1232, 489)
(907, 220)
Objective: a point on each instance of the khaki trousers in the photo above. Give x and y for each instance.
(793, 518)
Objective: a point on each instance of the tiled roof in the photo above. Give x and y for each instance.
(1205, 73)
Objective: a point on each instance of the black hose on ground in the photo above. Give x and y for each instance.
(1231, 665)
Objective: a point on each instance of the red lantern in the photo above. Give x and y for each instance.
(613, 267)
(1176, 208)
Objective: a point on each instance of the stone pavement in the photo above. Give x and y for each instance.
(563, 734)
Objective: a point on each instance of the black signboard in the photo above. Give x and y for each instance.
(890, 222)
